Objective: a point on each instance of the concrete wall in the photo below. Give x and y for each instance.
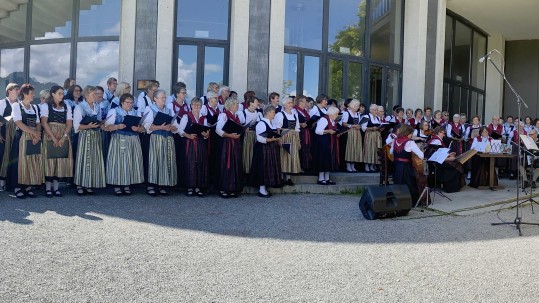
(494, 82)
(165, 42)
(145, 41)
(522, 70)
(127, 41)
(259, 44)
(239, 49)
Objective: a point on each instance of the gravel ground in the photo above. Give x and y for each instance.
(297, 248)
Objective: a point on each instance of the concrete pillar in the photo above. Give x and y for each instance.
(437, 88)
(165, 41)
(239, 48)
(259, 44)
(276, 49)
(494, 81)
(127, 42)
(414, 53)
(145, 40)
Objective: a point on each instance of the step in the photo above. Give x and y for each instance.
(340, 177)
(339, 188)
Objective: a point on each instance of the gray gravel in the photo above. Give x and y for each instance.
(299, 248)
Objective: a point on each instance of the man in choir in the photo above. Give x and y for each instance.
(274, 100)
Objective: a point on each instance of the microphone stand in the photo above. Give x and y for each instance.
(517, 222)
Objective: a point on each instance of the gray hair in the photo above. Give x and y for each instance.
(210, 86)
(159, 92)
(230, 102)
(268, 109)
(354, 103)
(44, 94)
(532, 130)
(223, 88)
(286, 100)
(373, 106)
(333, 111)
(121, 89)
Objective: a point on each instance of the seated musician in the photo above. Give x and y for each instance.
(530, 162)
(402, 149)
(450, 174)
(421, 135)
(480, 166)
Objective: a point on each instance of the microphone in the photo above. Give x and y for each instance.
(482, 59)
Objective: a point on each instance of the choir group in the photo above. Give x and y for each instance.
(94, 137)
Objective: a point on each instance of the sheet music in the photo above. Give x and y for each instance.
(528, 142)
(440, 155)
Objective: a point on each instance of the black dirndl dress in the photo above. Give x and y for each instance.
(326, 156)
(266, 165)
(195, 161)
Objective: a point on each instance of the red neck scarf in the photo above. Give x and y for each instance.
(435, 137)
(183, 109)
(213, 111)
(191, 117)
(303, 112)
(230, 115)
(399, 143)
(455, 127)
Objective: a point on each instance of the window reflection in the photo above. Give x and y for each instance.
(214, 61)
(310, 76)
(355, 78)
(376, 85)
(478, 69)
(13, 27)
(96, 62)
(385, 30)
(290, 74)
(49, 65)
(51, 20)
(392, 88)
(303, 23)
(99, 19)
(461, 53)
(346, 32)
(11, 67)
(206, 19)
(187, 67)
(335, 79)
(448, 43)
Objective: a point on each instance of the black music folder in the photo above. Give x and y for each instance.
(312, 121)
(54, 152)
(495, 135)
(32, 149)
(161, 119)
(231, 127)
(88, 120)
(131, 121)
(197, 129)
(270, 134)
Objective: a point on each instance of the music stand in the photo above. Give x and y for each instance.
(530, 194)
(518, 217)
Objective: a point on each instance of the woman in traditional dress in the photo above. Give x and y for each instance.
(373, 139)
(305, 135)
(212, 111)
(25, 167)
(401, 149)
(266, 167)
(230, 164)
(354, 146)
(250, 116)
(450, 174)
(7, 129)
(288, 120)
(456, 132)
(57, 121)
(421, 135)
(480, 172)
(124, 163)
(122, 88)
(73, 98)
(196, 150)
(89, 164)
(162, 170)
(180, 108)
(326, 157)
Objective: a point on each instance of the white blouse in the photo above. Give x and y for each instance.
(45, 111)
(279, 119)
(17, 115)
(184, 120)
(321, 126)
(261, 127)
(77, 115)
(148, 121)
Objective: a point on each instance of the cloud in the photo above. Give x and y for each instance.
(187, 74)
(113, 30)
(213, 68)
(12, 60)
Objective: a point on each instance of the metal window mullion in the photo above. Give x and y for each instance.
(300, 73)
(74, 36)
(345, 79)
(201, 61)
(28, 37)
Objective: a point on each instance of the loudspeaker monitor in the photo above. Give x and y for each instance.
(379, 202)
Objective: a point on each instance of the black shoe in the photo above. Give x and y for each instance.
(200, 193)
(80, 192)
(57, 193)
(151, 192)
(330, 182)
(321, 182)
(30, 194)
(20, 194)
(190, 192)
(89, 191)
(224, 195)
(118, 192)
(48, 194)
(261, 195)
(163, 192)
(289, 182)
(127, 191)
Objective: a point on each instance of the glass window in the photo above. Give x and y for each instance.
(335, 79)
(311, 71)
(473, 107)
(303, 23)
(187, 67)
(51, 23)
(96, 62)
(478, 69)
(347, 27)
(13, 27)
(461, 53)
(49, 64)
(448, 43)
(392, 88)
(445, 97)
(214, 61)
(290, 74)
(355, 79)
(385, 29)
(207, 19)
(99, 19)
(11, 67)
(375, 85)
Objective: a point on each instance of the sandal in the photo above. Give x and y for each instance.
(163, 192)
(151, 191)
(89, 191)
(190, 192)
(232, 195)
(48, 194)
(223, 194)
(80, 191)
(19, 193)
(127, 191)
(200, 193)
(118, 192)
(30, 193)
(57, 193)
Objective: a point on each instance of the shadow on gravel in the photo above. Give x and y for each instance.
(317, 218)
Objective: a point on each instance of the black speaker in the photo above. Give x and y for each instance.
(379, 202)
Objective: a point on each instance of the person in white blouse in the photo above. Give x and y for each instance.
(124, 161)
(320, 108)
(373, 139)
(402, 149)
(145, 98)
(287, 119)
(230, 181)
(89, 149)
(57, 121)
(249, 116)
(162, 171)
(326, 157)
(121, 88)
(196, 150)
(7, 130)
(266, 168)
(480, 173)
(25, 168)
(354, 142)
